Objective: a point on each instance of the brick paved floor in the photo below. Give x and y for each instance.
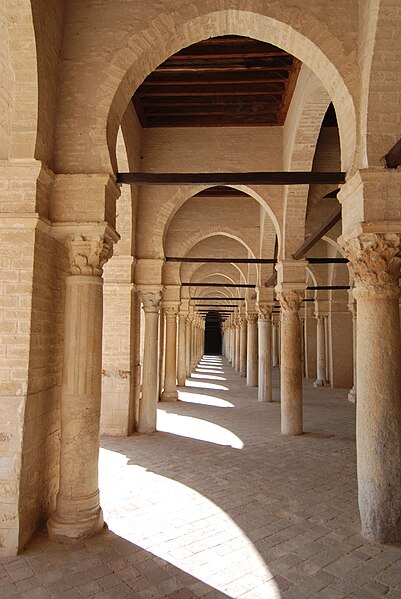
(219, 504)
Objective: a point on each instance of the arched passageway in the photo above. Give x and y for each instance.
(213, 339)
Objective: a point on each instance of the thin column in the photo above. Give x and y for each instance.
(327, 349)
(265, 353)
(237, 345)
(78, 513)
(352, 393)
(162, 345)
(243, 339)
(188, 334)
(320, 352)
(291, 363)
(275, 344)
(148, 404)
(170, 370)
(181, 368)
(375, 265)
(252, 353)
(193, 345)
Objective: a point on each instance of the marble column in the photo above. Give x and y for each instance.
(78, 513)
(232, 343)
(320, 352)
(375, 265)
(170, 369)
(291, 363)
(265, 353)
(252, 351)
(150, 387)
(275, 352)
(243, 339)
(181, 367)
(188, 343)
(162, 346)
(352, 393)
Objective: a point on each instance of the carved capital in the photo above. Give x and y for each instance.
(290, 300)
(252, 318)
(88, 254)
(374, 264)
(242, 320)
(265, 311)
(150, 301)
(170, 312)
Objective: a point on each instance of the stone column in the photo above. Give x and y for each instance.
(188, 333)
(352, 393)
(321, 352)
(162, 346)
(265, 353)
(232, 342)
(275, 344)
(237, 345)
(327, 349)
(252, 351)
(291, 363)
(243, 339)
(78, 513)
(170, 369)
(150, 384)
(181, 366)
(375, 265)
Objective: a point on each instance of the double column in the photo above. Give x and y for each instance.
(375, 265)
(78, 513)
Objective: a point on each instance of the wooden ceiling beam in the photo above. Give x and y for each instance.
(393, 157)
(214, 89)
(222, 77)
(255, 178)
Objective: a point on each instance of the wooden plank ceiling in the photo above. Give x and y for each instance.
(223, 81)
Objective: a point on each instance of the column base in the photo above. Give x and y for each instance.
(352, 396)
(169, 396)
(181, 382)
(70, 526)
(319, 383)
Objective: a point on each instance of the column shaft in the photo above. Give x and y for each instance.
(275, 344)
(181, 366)
(243, 350)
(291, 364)
(252, 352)
(320, 352)
(78, 513)
(170, 372)
(237, 347)
(150, 382)
(265, 358)
(188, 332)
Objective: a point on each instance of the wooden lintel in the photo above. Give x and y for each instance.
(327, 287)
(231, 299)
(393, 157)
(251, 260)
(254, 178)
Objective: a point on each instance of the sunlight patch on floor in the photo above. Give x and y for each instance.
(212, 377)
(196, 428)
(205, 385)
(179, 525)
(206, 400)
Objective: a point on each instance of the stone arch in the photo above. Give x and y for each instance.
(125, 67)
(300, 138)
(381, 93)
(19, 86)
(154, 220)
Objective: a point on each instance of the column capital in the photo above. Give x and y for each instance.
(290, 300)
(265, 310)
(251, 317)
(150, 301)
(170, 311)
(374, 263)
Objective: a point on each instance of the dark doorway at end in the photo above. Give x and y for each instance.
(213, 333)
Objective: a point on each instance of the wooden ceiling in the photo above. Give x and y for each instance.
(223, 81)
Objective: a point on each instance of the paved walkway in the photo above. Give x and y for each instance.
(219, 504)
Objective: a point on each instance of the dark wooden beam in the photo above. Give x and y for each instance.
(393, 157)
(230, 299)
(254, 178)
(252, 260)
(272, 280)
(242, 285)
(330, 287)
(221, 77)
(318, 234)
(231, 89)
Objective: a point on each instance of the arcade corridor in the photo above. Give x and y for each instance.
(220, 504)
